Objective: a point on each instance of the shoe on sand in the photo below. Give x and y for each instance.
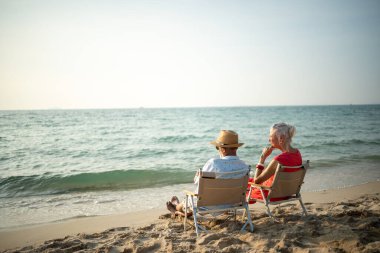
(170, 207)
(174, 200)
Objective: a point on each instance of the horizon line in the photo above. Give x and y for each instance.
(180, 107)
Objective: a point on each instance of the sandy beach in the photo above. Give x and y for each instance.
(339, 220)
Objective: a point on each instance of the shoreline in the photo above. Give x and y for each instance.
(37, 234)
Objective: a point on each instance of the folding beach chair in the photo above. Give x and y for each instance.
(217, 194)
(286, 187)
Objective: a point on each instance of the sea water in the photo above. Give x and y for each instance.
(60, 164)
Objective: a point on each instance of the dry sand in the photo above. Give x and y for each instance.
(341, 220)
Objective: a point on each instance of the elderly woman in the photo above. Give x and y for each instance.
(280, 137)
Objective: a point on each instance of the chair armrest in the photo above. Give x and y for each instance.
(258, 186)
(190, 193)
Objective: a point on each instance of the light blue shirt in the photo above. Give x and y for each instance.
(225, 167)
(226, 164)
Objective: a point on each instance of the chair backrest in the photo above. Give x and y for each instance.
(287, 184)
(214, 191)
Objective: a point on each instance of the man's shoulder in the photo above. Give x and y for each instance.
(234, 161)
(212, 161)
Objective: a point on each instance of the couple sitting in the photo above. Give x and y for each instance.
(227, 143)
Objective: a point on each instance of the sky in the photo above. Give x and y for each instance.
(71, 54)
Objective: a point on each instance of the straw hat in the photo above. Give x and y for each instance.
(227, 139)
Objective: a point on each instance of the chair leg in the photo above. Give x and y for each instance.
(268, 211)
(249, 220)
(266, 202)
(244, 214)
(248, 198)
(303, 207)
(185, 219)
(194, 216)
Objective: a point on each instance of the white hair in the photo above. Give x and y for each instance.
(286, 130)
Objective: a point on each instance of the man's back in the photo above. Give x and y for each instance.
(226, 167)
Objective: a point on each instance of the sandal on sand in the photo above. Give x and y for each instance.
(173, 210)
(171, 207)
(174, 200)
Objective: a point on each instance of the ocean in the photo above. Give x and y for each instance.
(60, 164)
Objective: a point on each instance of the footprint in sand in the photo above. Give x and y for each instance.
(148, 247)
(228, 241)
(208, 238)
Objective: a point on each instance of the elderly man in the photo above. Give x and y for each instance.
(227, 144)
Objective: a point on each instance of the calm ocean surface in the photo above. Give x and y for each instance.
(59, 164)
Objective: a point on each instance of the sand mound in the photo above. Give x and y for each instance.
(351, 226)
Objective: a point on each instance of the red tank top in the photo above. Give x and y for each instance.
(289, 159)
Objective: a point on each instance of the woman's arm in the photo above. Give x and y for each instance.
(258, 172)
(265, 174)
(260, 166)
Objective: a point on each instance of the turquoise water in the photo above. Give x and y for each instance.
(58, 164)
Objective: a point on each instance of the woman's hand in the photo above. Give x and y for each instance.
(267, 151)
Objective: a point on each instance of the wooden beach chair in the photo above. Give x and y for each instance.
(286, 187)
(217, 195)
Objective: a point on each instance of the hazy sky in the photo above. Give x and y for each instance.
(180, 53)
